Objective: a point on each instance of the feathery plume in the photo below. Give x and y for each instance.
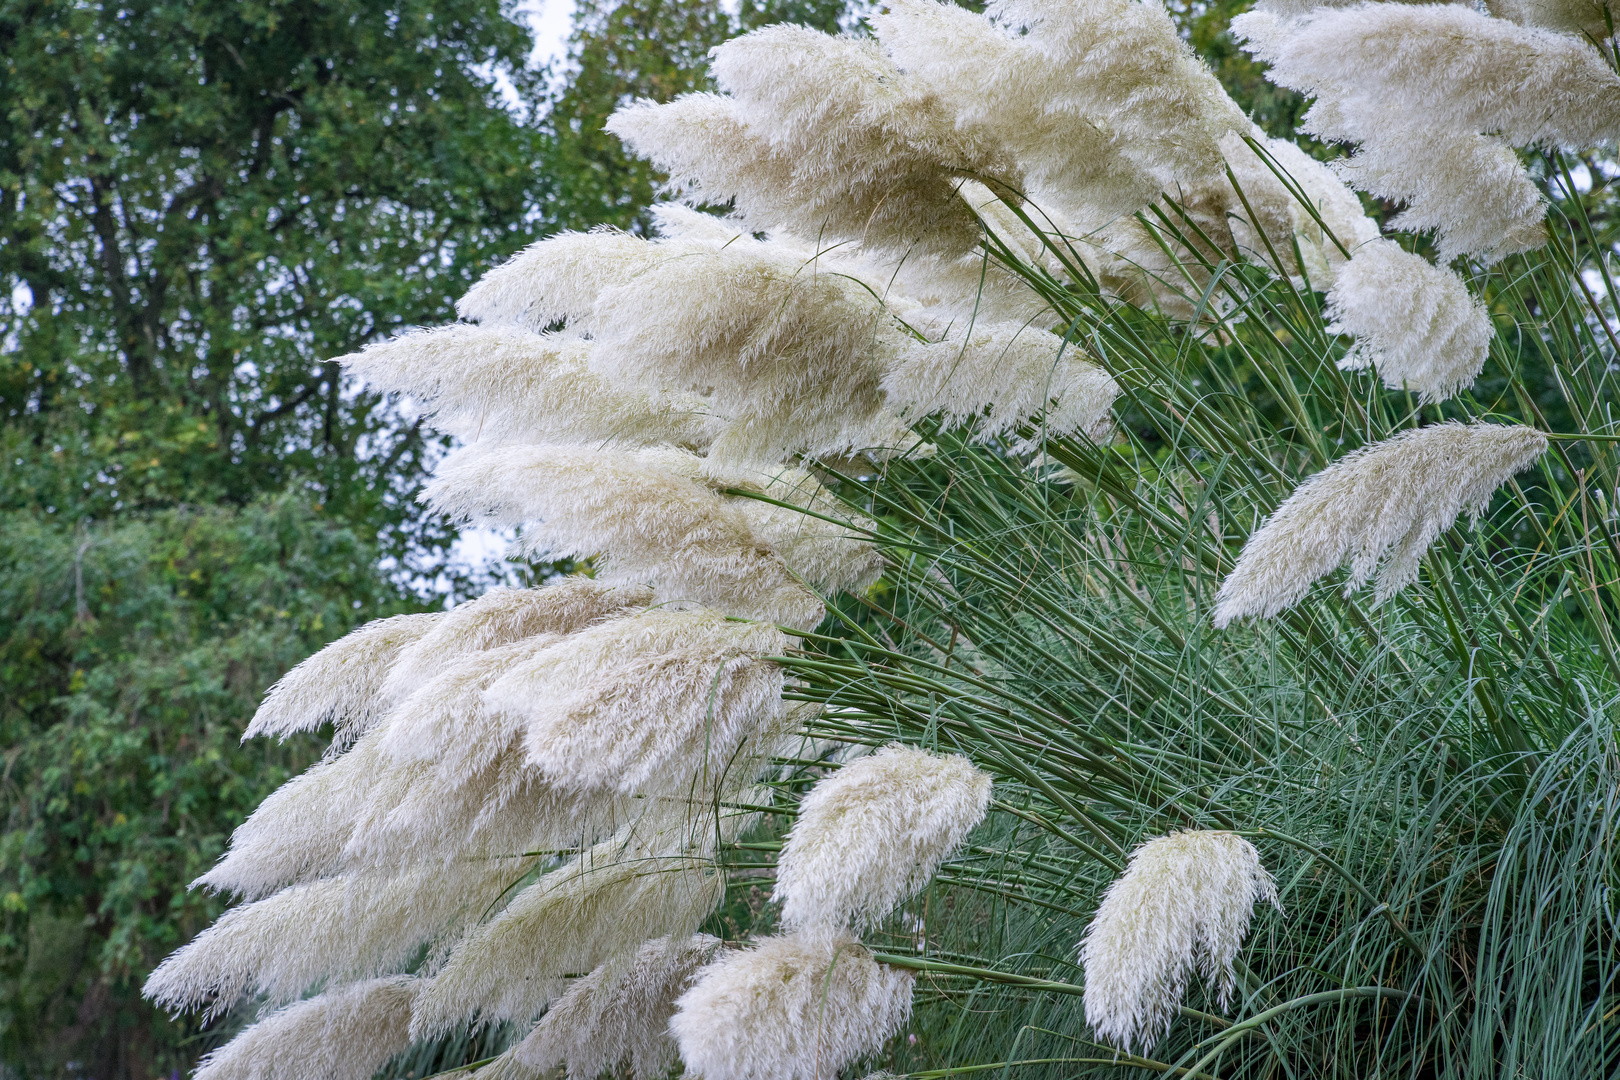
(647, 700)
(1583, 18)
(509, 384)
(617, 1017)
(1018, 95)
(1130, 70)
(997, 376)
(789, 352)
(789, 1009)
(605, 901)
(299, 831)
(873, 833)
(1377, 509)
(502, 616)
(555, 280)
(342, 1034)
(649, 523)
(341, 683)
(1184, 901)
(1416, 323)
(1442, 67)
(1471, 190)
(823, 136)
(348, 927)
(829, 557)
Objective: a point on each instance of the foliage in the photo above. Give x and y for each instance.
(133, 655)
(1432, 782)
(201, 205)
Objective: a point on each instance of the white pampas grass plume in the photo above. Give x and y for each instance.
(342, 1034)
(873, 833)
(509, 384)
(1184, 901)
(789, 1009)
(648, 523)
(788, 350)
(605, 901)
(299, 831)
(998, 376)
(1014, 93)
(617, 1017)
(822, 136)
(349, 927)
(1444, 67)
(502, 616)
(341, 683)
(1416, 323)
(645, 702)
(827, 555)
(555, 280)
(1377, 509)
(1131, 70)
(1582, 18)
(1471, 190)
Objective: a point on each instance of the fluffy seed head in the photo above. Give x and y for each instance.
(1416, 323)
(649, 524)
(341, 683)
(1443, 67)
(508, 384)
(1184, 901)
(617, 1017)
(873, 833)
(1377, 509)
(602, 903)
(555, 280)
(789, 1009)
(341, 1034)
(647, 702)
(998, 376)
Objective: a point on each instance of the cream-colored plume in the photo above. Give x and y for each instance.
(646, 703)
(1414, 322)
(299, 831)
(1131, 71)
(789, 1009)
(648, 524)
(1377, 509)
(649, 882)
(1471, 190)
(1594, 19)
(830, 557)
(349, 927)
(999, 376)
(616, 1019)
(822, 136)
(1444, 67)
(341, 683)
(1184, 902)
(508, 384)
(872, 834)
(345, 1033)
(556, 280)
(502, 616)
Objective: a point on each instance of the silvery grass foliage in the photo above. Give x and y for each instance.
(970, 498)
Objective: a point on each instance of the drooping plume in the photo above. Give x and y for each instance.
(650, 524)
(508, 384)
(1415, 323)
(337, 1036)
(617, 1017)
(645, 703)
(340, 684)
(609, 899)
(873, 833)
(1377, 509)
(789, 1009)
(1184, 902)
(997, 376)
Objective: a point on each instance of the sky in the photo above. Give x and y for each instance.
(550, 20)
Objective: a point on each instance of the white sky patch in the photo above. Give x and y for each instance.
(550, 21)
